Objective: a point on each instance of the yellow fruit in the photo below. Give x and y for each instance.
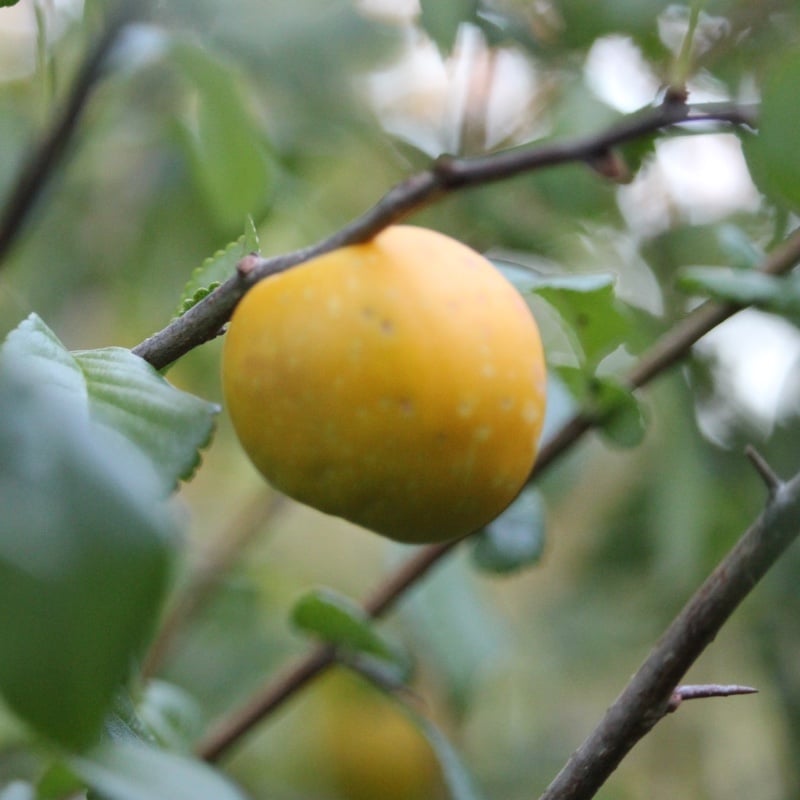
(373, 751)
(399, 384)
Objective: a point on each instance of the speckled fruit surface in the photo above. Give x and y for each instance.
(399, 384)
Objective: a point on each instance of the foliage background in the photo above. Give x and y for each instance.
(216, 111)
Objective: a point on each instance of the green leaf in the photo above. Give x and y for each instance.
(596, 321)
(780, 294)
(6, 3)
(85, 557)
(457, 778)
(337, 620)
(619, 413)
(773, 154)
(515, 539)
(58, 782)
(133, 771)
(460, 632)
(170, 715)
(441, 19)
(216, 269)
(612, 405)
(122, 394)
(226, 146)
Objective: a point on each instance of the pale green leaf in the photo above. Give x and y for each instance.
(128, 770)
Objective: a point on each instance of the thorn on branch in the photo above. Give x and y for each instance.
(771, 479)
(701, 691)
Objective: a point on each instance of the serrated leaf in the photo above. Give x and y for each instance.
(772, 154)
(745, 287)
(337, 620)
(85, 556)
(122, 394)
(216, 269)
(515, 539)
(457, 778)
(132, 771)
(595, 320)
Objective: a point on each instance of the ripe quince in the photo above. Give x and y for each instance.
(399, 384)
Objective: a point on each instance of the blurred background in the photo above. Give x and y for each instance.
(300, 115)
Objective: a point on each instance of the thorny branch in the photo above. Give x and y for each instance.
(650, 693)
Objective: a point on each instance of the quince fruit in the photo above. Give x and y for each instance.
(399, 384)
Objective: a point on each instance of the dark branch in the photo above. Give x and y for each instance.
(648, 696)
(205, 320)
(42, 161)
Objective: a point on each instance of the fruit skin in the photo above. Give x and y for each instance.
(399, 384)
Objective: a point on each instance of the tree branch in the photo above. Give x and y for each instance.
(648, 695)
(673, 346)
(204, 321)
(43, 159)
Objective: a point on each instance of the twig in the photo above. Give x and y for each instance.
(204, 321)
(675, 345)
(771, 480)
(647, 697)
(40, 164)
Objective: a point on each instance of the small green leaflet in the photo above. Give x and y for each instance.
(515, 539)
(780, 294)
(596, 321)
(338, 621)
(216, 269)
(616, 411)
(122, 394)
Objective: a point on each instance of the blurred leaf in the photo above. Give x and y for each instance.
(515, 539)
(780, 294)
(122, 394)
(738, 247)
(442, 18)
(456, 626)
(133, 771)
(596, 321)
(123, 722)
(615, 409)
(216, 269)
(619, 413)
(5, 3)
(773, 154)
(338, 621)
(228, 150)
(85, 555)
(57, 783)
(171, 715)
(459, 781)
